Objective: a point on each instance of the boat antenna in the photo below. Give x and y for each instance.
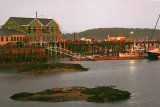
(155, 27)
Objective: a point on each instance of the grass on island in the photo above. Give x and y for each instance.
(21, 95)
(105, 93)
(42, 67)
(98, 94)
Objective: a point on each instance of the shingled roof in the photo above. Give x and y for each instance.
(7, 32)
(44, 21)
(25, 21)
(22, 21)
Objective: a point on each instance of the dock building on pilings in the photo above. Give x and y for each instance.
(31, 31)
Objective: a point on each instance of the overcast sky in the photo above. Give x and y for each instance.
(80, 15)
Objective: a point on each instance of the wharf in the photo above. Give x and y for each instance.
(111, 58)
(122, 58)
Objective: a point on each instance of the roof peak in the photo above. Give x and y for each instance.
(30, 18)
(26, 20)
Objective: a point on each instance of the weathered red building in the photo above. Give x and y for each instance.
(117, 37)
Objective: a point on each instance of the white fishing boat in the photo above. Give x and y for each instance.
(135, 51)
(85, 58)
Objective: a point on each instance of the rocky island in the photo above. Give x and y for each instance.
(97, 94)
(56, 67)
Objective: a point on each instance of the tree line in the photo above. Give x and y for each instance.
(102, 33)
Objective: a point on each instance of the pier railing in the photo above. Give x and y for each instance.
(64, 51)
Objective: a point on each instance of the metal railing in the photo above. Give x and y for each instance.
(64, 51)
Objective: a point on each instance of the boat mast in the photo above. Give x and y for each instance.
(155, 27)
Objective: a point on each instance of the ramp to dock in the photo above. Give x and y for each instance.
(64, 51)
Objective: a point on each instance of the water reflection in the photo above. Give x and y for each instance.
(132, 65)
(132, 68)
(153, 59)
(23, 77)
(132, 61)
(140, 77)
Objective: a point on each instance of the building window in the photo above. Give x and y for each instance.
(52, 29)
(11, 38)
(20, 38)
(47, 30)
(23, 39)
(39, 30)
(43, 30)
(17, 38)
(14, 38)
(29, 29)
(2, 39)
(57, 30)
(34, 29)
(6, 38)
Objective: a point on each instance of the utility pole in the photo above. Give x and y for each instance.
(74, 36)
(77, 35)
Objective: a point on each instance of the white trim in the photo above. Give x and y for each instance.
(53, 21)
(36, 20)
(24, 25)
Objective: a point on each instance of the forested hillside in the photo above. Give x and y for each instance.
(102, 33)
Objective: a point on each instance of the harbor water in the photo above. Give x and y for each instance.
(140, 77)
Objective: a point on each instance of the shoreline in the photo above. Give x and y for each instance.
(53, 70)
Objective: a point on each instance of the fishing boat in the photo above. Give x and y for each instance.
(153, 53)
(86, 58)
(135, 52)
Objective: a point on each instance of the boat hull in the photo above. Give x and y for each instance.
(81, 59)
(153, 55)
